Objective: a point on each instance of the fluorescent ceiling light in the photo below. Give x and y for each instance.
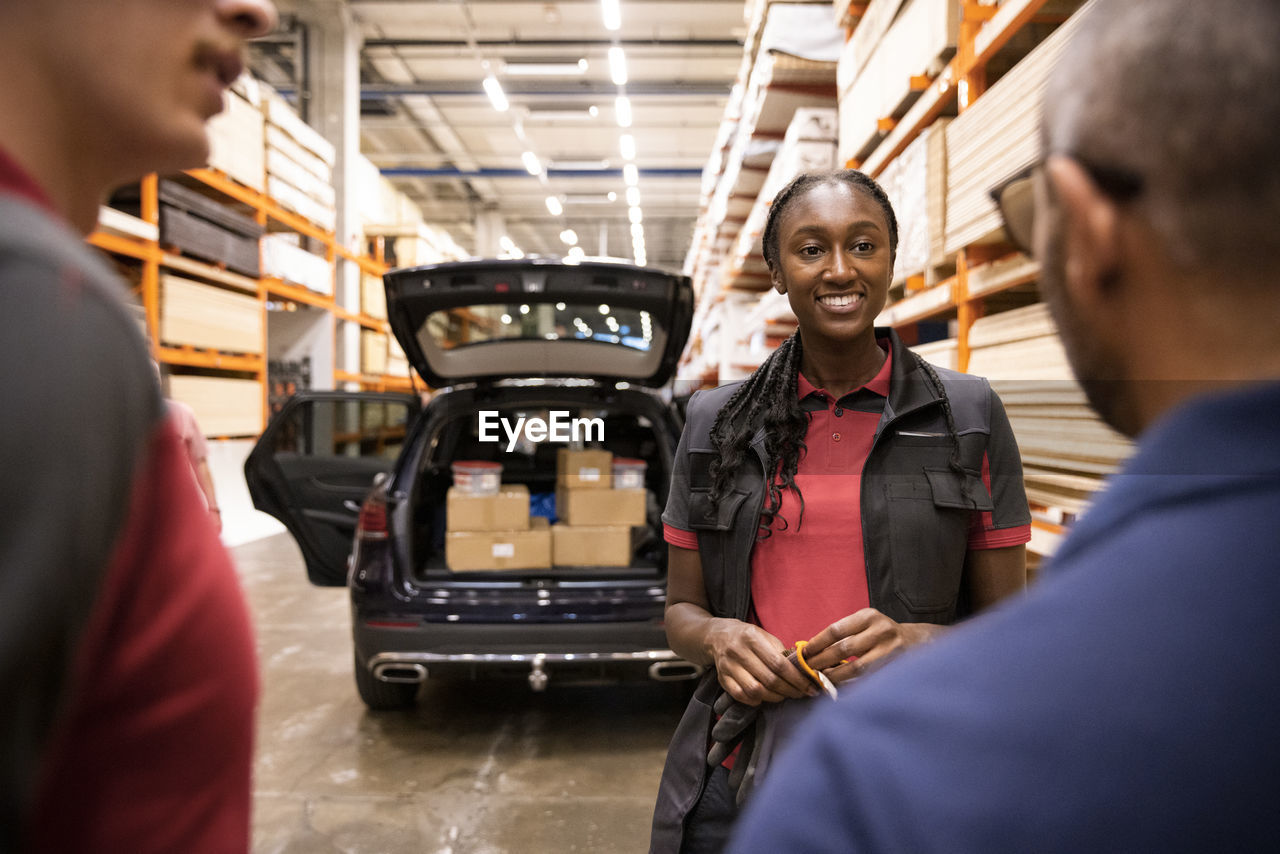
(633, 196)
(577, 252)
(496, 96)
(611, 12)
(554, 206)
(637, 231)
(631, 174)
(579, 165)
(590, 198)
(569, 236)
(618, 65)
(622, 109)
(531, 164)
(627, 144)
(560, 112)
(544, 67)
(635, 215)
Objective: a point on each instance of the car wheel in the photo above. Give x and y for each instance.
(382, 696)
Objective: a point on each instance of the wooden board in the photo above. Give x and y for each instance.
(208, 317)
(280, 257)
(373, 352)
(223, 407)
(918, 43)
(236, 142)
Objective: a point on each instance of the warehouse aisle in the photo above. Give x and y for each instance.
(478, 767)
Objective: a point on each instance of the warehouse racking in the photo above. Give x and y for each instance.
(208, 317)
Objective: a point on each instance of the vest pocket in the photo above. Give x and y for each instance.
(928, 537)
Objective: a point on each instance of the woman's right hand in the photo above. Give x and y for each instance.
(752, 664)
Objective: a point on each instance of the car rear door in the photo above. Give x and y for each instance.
(313, 465)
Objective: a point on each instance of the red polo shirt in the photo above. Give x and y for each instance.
(805, 574)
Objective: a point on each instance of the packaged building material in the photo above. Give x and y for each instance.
(397, 361)
(373, 296)
(918, 200)
(468, 551)
(200, 227)
(508, 510)
(944, 353)
(291, 198)
(918, 43)
(994, 139)
(291, 172)
(373, 352)
(585, 469)
(283, 258)
(237, 141)
(223, 406)
(200, 315)
(283, 116)
(605, 507)
(115, 221)
(578, 545)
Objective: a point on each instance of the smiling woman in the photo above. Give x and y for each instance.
(841, 431)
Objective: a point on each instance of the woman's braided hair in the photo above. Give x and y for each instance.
(769, 398)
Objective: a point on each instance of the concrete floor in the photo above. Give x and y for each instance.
(477, 767)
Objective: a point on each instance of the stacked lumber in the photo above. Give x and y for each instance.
(203, 228)
(808, 146)
(237, 135)
(880, 61)
(915, 183)
(283, 257)
(397, 361)
(223, 407)
(299, 163)
(944, 353)
(373, 352)
(994, 139)
(199, 315)
(373, 296)
(1067, 451)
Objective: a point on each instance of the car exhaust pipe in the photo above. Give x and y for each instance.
(674, 671)
(401, 673)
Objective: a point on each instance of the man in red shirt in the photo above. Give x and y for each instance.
(126, 654)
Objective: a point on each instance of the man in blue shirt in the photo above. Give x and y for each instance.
(1129, 702)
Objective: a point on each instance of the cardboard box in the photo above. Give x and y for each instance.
(579, 545)
(607, 507)
(584, 469)
(497, 550)
(506, 511)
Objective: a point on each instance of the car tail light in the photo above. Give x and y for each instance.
(372, 522)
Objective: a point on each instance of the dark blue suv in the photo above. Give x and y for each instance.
(359, 479)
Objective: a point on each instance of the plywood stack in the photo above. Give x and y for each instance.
(199, 315)
(284, 258)
(373, 352)
(1066, 449)
(237, 135)
(223, 406)
(808, 146)
(879, 63)
(915, 182)
(994, 139)
(299, 163)
(944, 353)
(373, 296)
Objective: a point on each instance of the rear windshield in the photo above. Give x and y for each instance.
(474, 325)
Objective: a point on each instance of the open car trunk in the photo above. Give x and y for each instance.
(632, 424)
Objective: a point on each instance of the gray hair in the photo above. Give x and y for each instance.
(1185, 93)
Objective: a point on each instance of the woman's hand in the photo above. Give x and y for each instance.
(752, 664)
(848, 646)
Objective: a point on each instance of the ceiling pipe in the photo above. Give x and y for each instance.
(454, 172)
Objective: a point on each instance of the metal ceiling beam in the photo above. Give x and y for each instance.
(548, 88)
(516, 44)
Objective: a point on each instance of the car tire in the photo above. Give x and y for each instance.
(382, 696)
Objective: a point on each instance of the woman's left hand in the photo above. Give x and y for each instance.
(848, 646)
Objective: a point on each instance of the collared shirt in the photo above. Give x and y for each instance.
(811, 571)
(16, 180)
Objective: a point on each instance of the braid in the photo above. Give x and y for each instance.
(768, 398)
(954, 461)
(804, 181)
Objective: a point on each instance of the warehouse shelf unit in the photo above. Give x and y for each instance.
(139, 241)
